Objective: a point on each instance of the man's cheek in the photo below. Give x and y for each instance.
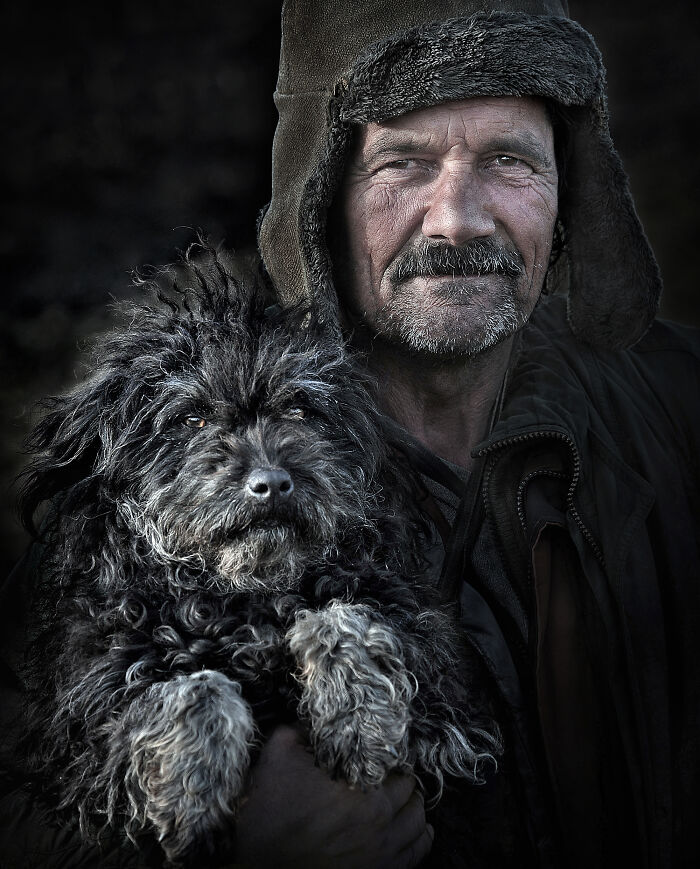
(535, 208)
(392, 224)
(385, 203)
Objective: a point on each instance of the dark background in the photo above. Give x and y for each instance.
(128, 124)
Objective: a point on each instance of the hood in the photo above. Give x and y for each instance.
(343, 64)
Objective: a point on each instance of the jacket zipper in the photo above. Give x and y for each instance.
(555, 475)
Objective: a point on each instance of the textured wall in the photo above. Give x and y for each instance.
(126, 126)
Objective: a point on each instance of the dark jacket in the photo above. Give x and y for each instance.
(590, 493)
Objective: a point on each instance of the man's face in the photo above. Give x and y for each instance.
(447, 215)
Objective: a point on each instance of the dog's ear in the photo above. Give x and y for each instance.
(67, 444)
(215, 285)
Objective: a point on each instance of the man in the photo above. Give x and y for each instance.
(421, 177)
(427, 157)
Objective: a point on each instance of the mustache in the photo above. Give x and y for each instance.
(480, 256)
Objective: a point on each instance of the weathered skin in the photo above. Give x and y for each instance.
(452, 172)
(456, 172)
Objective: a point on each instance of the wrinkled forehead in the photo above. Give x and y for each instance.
(476, 123)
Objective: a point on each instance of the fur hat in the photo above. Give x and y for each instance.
(343, 64)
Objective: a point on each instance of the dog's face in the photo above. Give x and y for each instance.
(250, 449)
(253, 451)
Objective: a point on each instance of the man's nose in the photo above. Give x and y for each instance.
(458, 209)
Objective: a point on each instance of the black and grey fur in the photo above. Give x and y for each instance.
(232, 543)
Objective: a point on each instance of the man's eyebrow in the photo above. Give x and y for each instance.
(524, 143)
(390, 143)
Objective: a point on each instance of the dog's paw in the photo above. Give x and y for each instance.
(356, 691)
(189, 754)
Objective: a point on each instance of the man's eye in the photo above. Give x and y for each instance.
(401, 165)
(194, 421)
(506, 160)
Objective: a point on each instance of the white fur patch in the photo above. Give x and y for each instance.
(189, 757)
(356, 691)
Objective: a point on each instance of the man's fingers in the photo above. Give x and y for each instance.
(398, 790)
(414, 854)
(412, 838)
(410, 819)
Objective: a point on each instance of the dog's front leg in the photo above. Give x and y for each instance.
(190, 740)
(356, 691)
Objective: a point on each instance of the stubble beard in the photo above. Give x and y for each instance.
(459, 319)
(447, 301)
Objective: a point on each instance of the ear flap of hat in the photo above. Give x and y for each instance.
(614, 280)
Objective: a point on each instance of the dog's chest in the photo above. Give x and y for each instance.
(244, 639)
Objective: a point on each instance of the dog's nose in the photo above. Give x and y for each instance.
(269, 483)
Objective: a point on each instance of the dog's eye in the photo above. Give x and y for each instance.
(194, 421)
(295, 413)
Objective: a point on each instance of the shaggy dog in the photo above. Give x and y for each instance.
(231, 544)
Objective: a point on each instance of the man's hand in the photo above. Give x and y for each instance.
(296, 817)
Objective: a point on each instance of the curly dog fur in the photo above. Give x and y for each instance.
(231, 543)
